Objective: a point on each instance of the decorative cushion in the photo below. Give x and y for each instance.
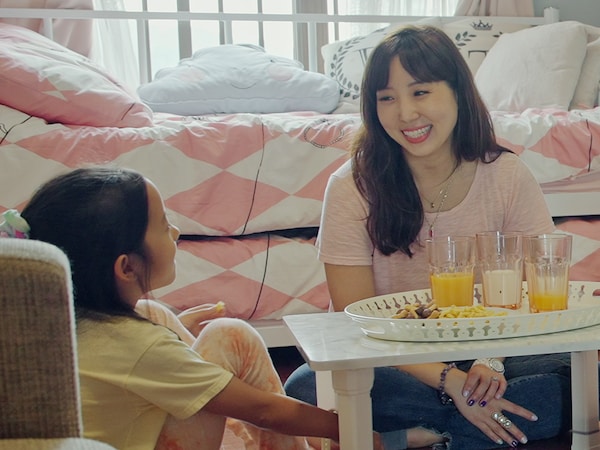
(533, 68)
(47, 80)
(344, 61)
(586, 91)
(475, 37)
(238, 78)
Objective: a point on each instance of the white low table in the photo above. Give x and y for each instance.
(333, 342)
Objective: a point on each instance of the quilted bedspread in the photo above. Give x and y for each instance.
(235, 180)
(246, 173)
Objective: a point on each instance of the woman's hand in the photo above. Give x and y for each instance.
(482, 410)
(196, 318)
(482, 385)
(491, 421)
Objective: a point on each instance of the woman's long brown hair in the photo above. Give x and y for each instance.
(380, 170)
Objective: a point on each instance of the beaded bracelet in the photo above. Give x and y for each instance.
(444, 397)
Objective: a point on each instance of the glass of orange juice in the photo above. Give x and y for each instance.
(451, 262)
(547, 261)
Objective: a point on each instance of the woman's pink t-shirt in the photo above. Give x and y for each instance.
(504, 196)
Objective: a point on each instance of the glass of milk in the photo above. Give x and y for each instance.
(500, 258)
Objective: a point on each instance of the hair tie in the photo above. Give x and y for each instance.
(14, 225)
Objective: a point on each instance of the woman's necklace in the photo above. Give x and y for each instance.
(444, 194)
(432, 203)
(441, 192)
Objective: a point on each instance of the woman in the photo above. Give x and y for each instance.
(426, 163)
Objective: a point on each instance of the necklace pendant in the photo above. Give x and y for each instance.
(430, 232)
(432, 205)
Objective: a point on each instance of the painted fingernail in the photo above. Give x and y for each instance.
(471, 402)
(534, 417)
(524, 440)
(514, 443)
(482, 403)
(466, 393)
(499, 442)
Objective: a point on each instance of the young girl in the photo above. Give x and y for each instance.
(143, 387)
(425, 163)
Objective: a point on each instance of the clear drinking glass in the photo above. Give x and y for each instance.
(500, 257)
(547, 261)
(451, 262)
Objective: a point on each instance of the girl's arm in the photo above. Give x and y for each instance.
(271, 411)
(277, 412)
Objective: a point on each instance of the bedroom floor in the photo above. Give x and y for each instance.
(286, 359)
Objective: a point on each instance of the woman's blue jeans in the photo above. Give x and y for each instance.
(540, 383)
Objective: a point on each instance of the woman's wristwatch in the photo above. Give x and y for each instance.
(493, 363)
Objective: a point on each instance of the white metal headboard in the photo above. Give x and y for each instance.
(311, 21)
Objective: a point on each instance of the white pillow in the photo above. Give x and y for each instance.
(586, 91)
(475, 37)
(344, 61)
(238, 79)
(534, 68)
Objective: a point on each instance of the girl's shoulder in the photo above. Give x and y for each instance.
(135, 334)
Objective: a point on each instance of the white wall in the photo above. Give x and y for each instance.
(586, 11)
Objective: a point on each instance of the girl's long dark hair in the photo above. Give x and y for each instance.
(94, 215)
(380, 170)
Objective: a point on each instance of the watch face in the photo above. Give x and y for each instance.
(497, 365)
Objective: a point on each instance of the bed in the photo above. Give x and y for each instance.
(244, 183)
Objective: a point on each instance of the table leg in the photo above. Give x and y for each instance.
(584, 385)
(325, 392)
(353, 399)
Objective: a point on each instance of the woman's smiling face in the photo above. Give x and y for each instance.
(419, 116)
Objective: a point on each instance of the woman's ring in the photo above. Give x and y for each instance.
(495, 379)
(502, 419)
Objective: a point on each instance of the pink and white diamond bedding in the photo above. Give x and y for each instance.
(246, 190)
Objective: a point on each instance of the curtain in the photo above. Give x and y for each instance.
(113, 46)
(399, 7)
(73, 34)
(390, 7)
(495, 8)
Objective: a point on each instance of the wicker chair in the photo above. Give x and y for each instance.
(39, 388)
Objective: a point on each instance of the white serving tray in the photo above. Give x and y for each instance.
(373, 315)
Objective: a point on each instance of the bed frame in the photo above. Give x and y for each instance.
(306, 26)
(307, 39)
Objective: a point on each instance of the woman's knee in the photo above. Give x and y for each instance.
(548, 397)
(301, 384)
(558, 363)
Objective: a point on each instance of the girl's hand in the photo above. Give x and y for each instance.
(491, 420)
(482, 385)
(196, 318)
(377, 444)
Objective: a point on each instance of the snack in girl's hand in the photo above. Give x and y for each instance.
(197, 317)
